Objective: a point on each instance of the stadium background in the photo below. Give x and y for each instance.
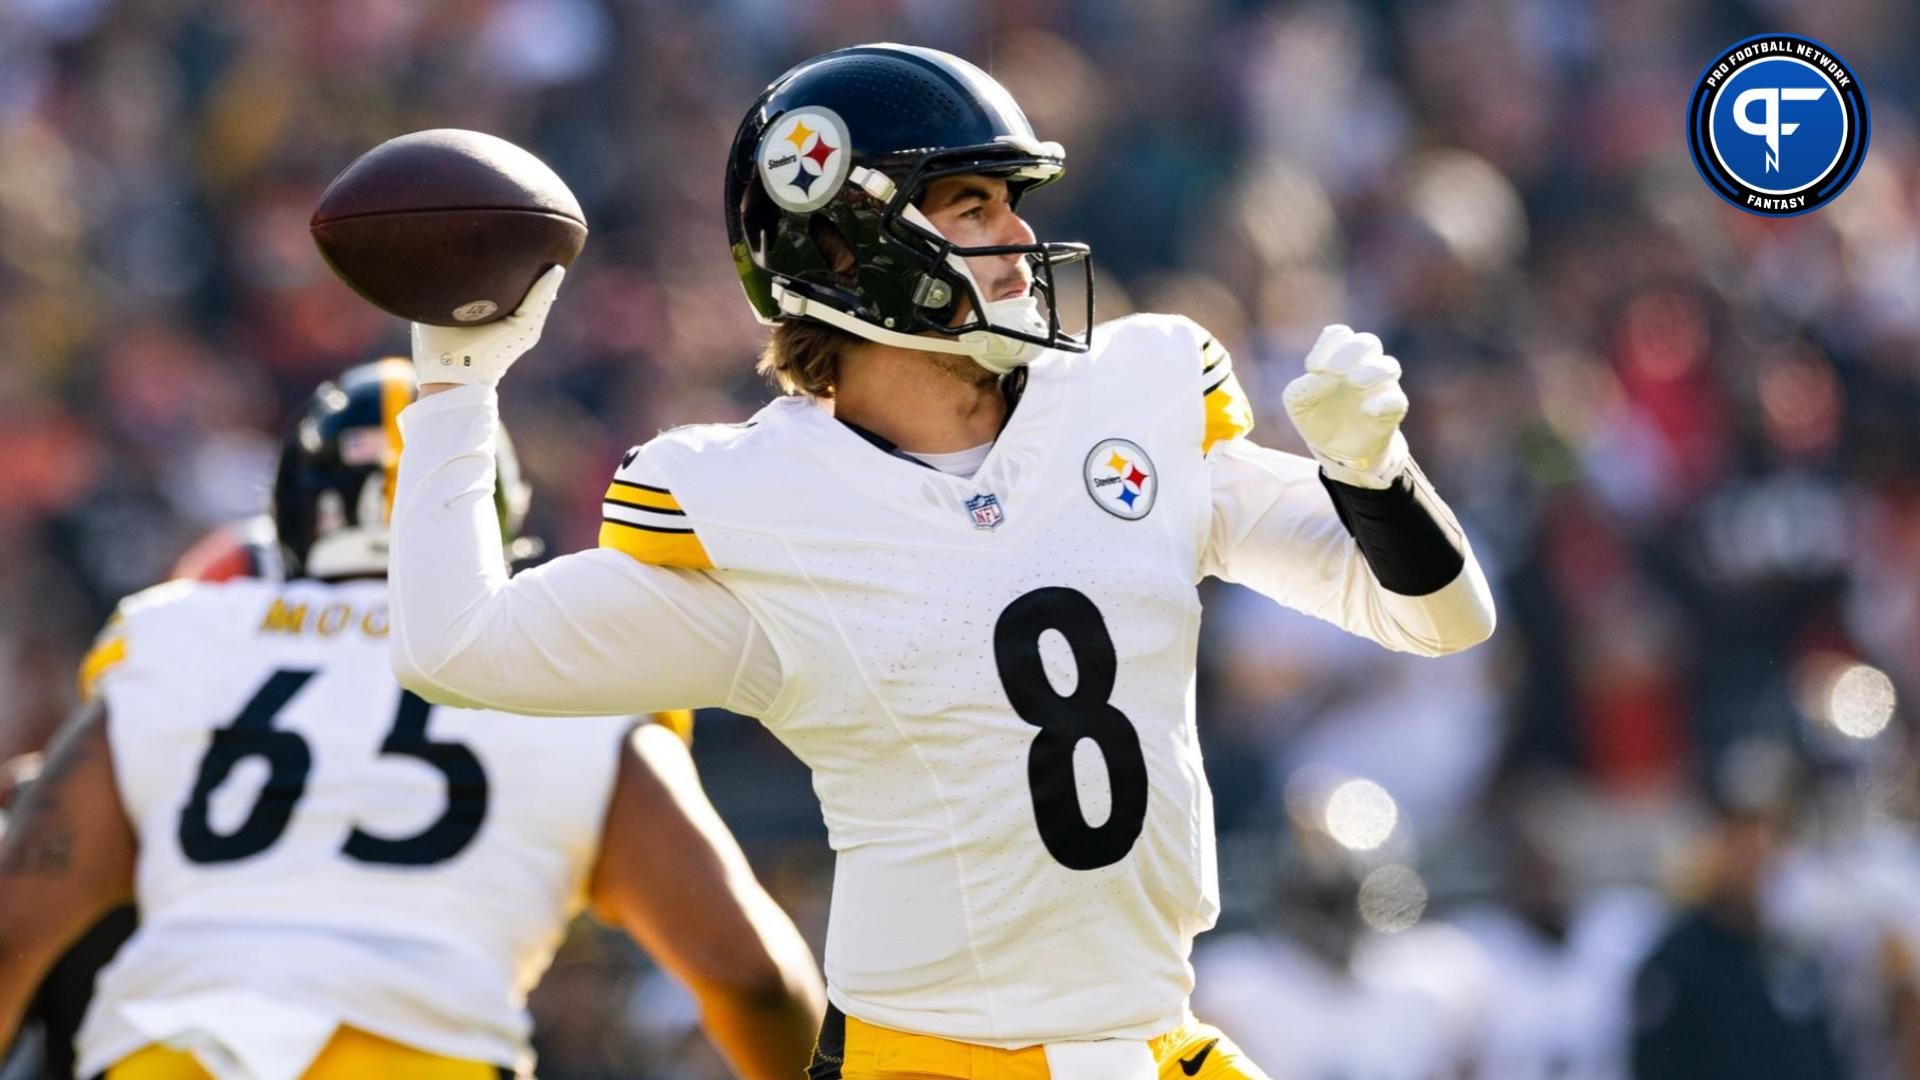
(1683, 438)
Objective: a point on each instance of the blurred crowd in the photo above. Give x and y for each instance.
(1672, 803)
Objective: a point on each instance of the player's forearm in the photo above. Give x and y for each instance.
(767, 1031)
(1425, 577)
(66, 858)
(15, 991)
(1456, 616)
(1410, 540)
(1284, 537)
(24, 961)
(447, 564)
(673, 876)
(762, 1040)
(1344, 590)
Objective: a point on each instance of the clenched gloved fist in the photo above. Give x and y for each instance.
(481, 354)
(1348, 407)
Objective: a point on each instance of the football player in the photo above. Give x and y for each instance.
(335, 878)
(954, 569)
(241, 549)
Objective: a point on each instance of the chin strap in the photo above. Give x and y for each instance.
(992, 351)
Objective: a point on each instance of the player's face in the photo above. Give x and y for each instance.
(976, 211)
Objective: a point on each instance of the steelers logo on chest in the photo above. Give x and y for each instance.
(804, 157)
(1121, 478)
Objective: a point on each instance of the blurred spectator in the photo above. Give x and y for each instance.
(1560, 947)
(1686, 441)
(1332, 983)
(1721, 996)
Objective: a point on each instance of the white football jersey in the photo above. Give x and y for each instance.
(990, 677)
(309, 832)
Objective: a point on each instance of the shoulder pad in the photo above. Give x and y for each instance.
(109, 649)
(1229, 413)
(1178, 339)
(156, 597)
(640, 516)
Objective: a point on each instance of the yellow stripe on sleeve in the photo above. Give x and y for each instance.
(108, 653)
(1211, 353)
(642, 496)
(1229, 414)
(656, 547)
(678, 721)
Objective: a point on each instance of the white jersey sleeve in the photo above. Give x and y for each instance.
(587, 633)
(1276, 531)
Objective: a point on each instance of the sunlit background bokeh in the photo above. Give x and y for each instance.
(1685, 441)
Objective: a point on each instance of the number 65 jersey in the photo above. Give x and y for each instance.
(991, 678)
(309, 832)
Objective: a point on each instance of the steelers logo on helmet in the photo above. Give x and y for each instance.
(1121, 478)
(804, 158)
(1778, 125)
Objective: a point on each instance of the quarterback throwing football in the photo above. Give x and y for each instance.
(953, 569)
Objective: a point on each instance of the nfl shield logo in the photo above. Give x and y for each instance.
(985, 511)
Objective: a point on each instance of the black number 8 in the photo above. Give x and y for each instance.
(1065, 720)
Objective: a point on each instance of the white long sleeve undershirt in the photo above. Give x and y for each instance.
(1276, 532)
(589, 633)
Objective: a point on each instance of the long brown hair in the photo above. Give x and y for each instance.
(804, 356)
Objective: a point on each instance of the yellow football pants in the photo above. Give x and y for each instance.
(1192, 1051)
(351, 1054)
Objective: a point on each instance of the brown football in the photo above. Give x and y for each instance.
(447, 227)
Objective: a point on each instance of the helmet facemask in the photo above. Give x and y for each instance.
(999, 335)
(1006, 333)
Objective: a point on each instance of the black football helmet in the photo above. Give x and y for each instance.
(847, 143)
(333, 496)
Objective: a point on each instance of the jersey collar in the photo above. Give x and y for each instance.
(1012, 388)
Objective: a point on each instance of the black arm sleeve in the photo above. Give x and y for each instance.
(1412, 549)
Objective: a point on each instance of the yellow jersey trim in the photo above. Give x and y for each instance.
(1194, 1049)
(641, 496)
(351, 1054)
(107, 654)
(873, 1050)
(1211, 353)
(655, 546)
(678, 721)
(1229, 414)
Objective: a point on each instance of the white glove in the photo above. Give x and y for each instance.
(481, 354)
(1348, 408)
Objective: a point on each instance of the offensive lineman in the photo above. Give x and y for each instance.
(243, 549)
(953, 569)
(335, 879)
